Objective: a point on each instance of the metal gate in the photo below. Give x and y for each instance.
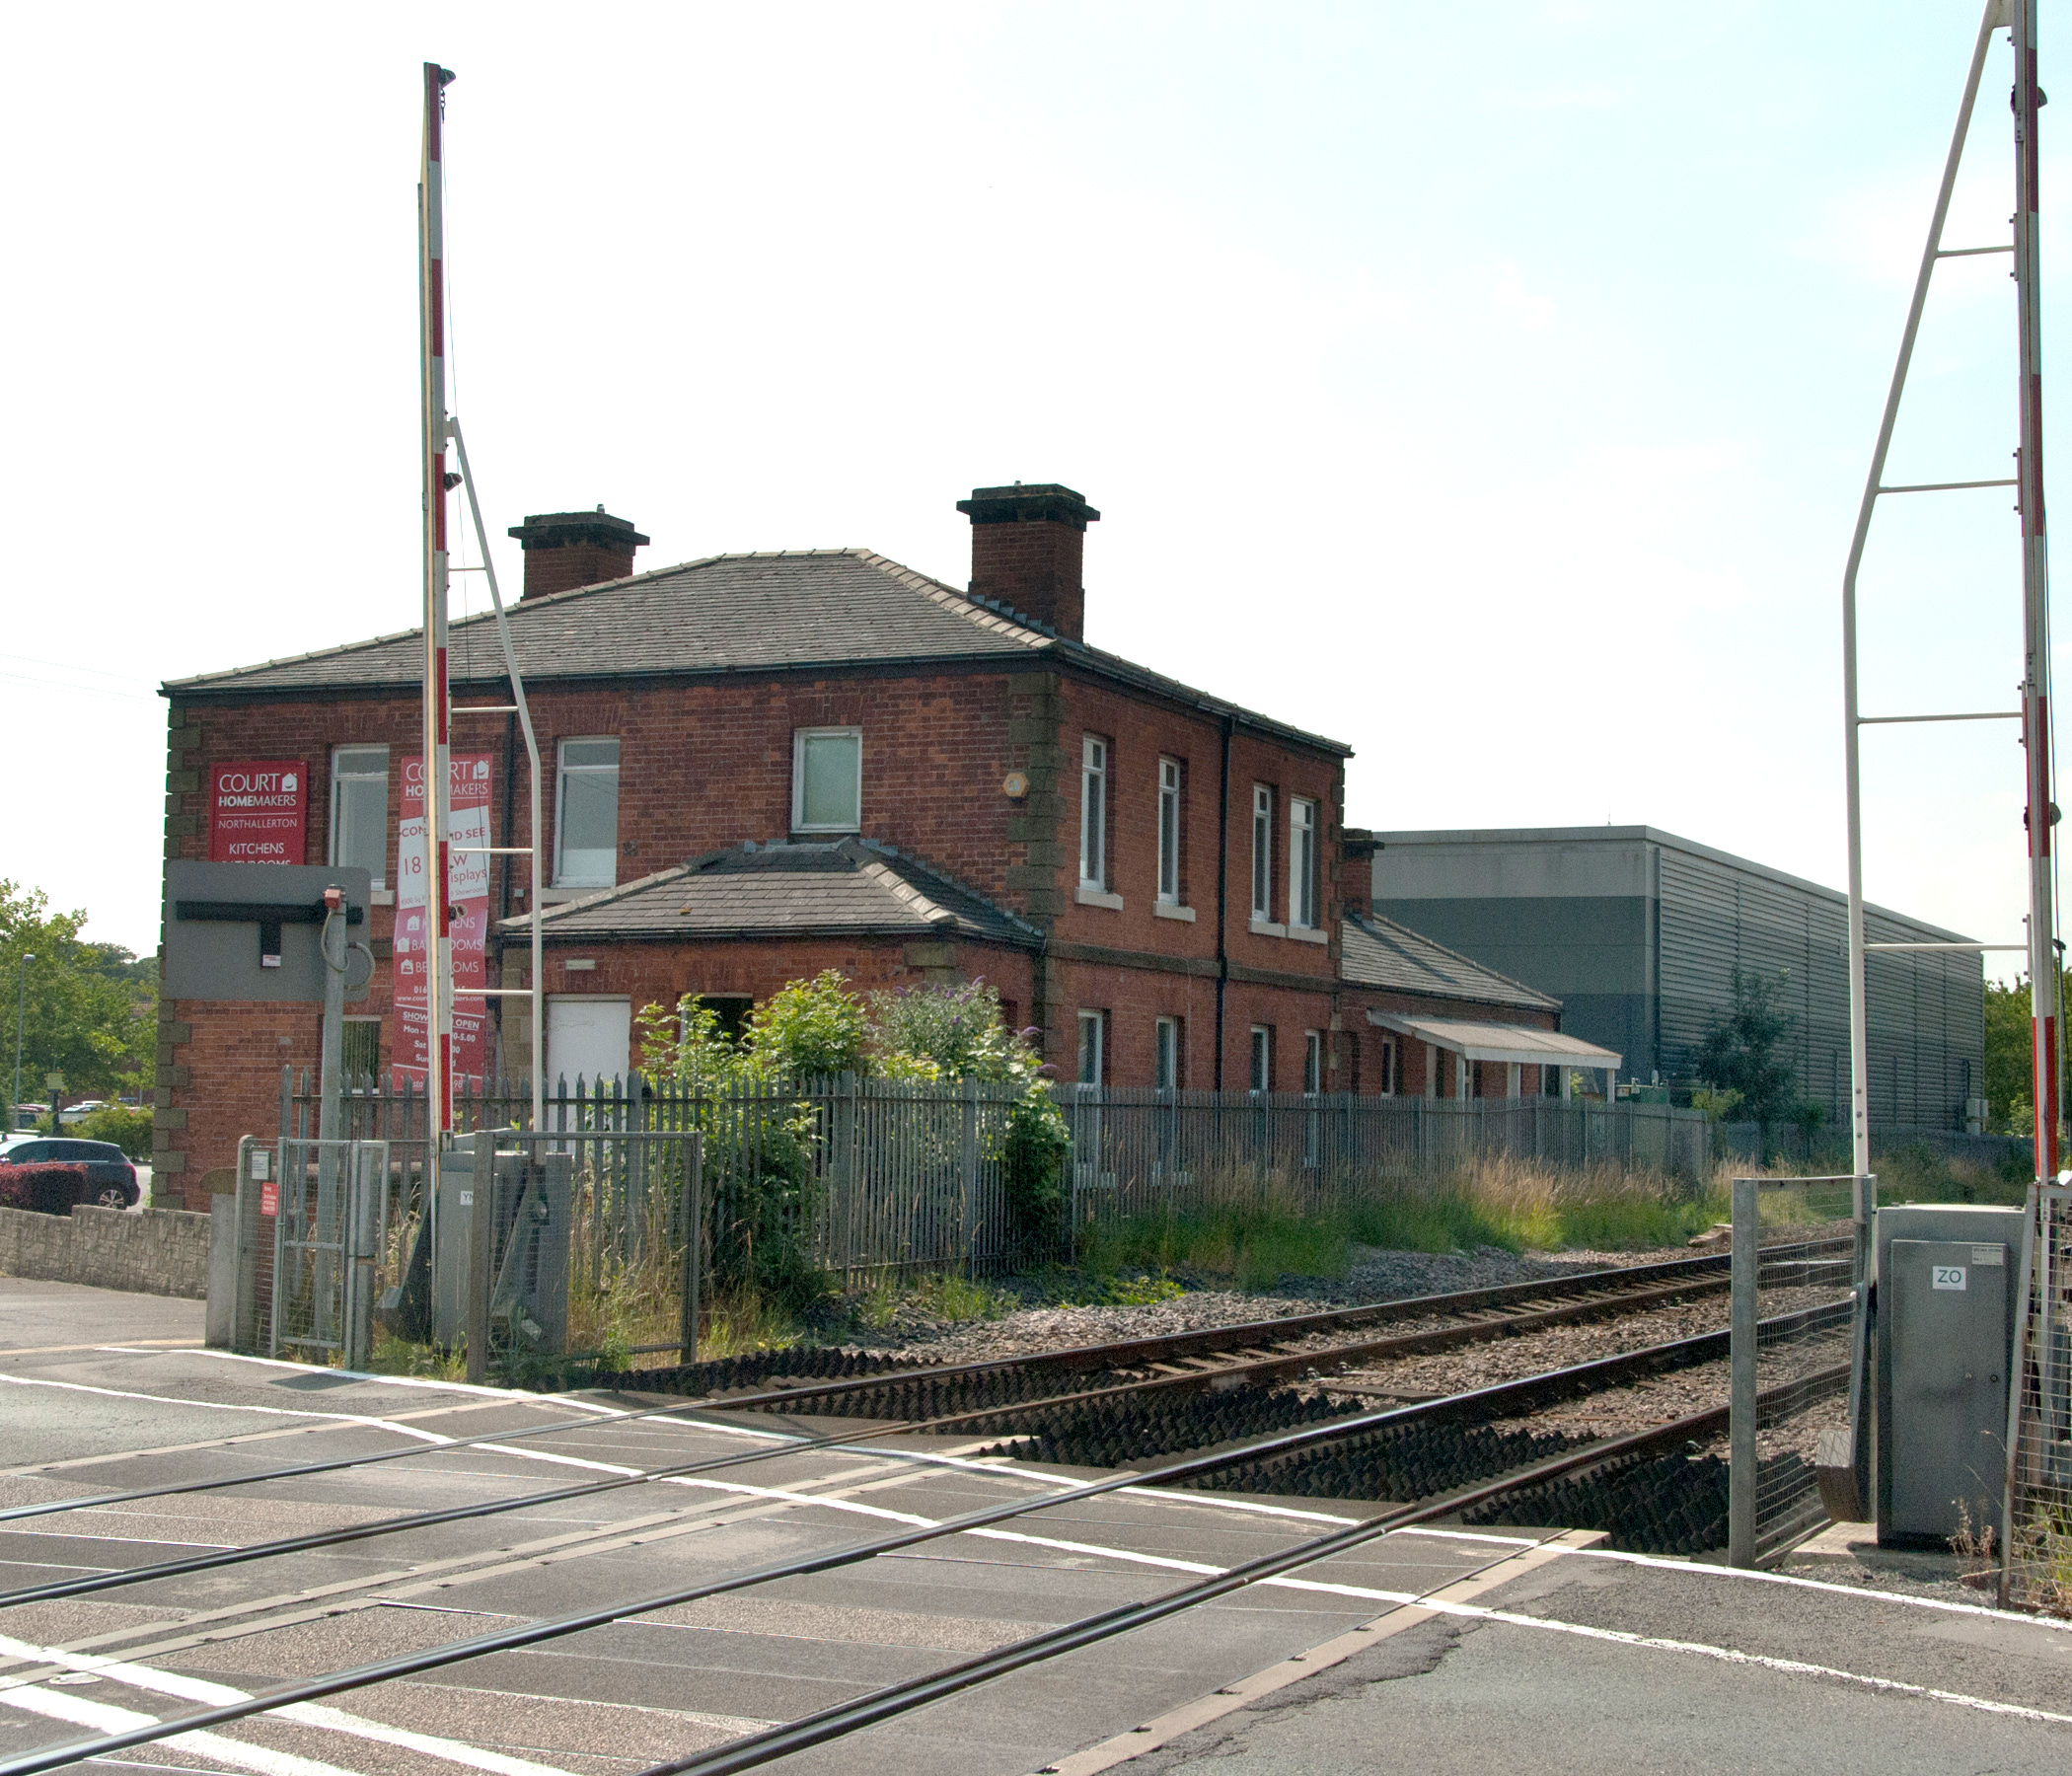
(327, 1233)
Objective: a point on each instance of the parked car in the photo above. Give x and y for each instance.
(80, 1111)
(111, 1181)
(26, 1116)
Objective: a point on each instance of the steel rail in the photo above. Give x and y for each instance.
(1600, 1373)
(408, 1664)
(841, 1719)
(1120, 1354)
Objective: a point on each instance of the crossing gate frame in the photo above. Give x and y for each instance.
(330, 1213)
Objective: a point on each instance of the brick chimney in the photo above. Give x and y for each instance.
(1027, 545)
(566, 550)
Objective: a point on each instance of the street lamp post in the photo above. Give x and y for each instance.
(21, 1000)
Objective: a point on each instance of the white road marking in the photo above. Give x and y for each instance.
(304, 1714)
(117, 1393)
(103, 1716)
(1707, 1570)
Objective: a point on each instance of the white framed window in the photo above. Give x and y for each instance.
(1169, 831)
(1262, 852)
(1165, 1054)
(1301, 863)
(586, 814)
(359, 810)
(1093, 1044)
(1390, 1079)
(1093, 813)
(827, 779)
(1262, 1058)
(1312, 1061)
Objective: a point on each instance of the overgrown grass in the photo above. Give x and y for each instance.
(1254, 1240)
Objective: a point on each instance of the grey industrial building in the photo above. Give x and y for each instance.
(1638, 933)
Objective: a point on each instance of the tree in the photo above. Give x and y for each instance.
(2009, 1084)
(1745, 1053)
(89, 1010)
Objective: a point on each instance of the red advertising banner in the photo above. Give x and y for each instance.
(257, 811)
(467, 894)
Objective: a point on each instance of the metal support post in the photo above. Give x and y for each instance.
(693, 1245)
(482, 1237)
(366, 1182)
(2024, 1298)
(1741, 1457)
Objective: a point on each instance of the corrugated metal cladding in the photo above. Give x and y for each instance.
(1639, 933)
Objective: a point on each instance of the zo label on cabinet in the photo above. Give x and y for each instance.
(1950, 1275)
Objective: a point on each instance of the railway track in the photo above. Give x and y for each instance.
(1219, 1356)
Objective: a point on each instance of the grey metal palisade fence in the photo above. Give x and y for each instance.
(876, 1176)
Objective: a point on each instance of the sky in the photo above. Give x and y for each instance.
(1490, 389)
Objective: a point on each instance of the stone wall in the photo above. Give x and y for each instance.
(160, 1251)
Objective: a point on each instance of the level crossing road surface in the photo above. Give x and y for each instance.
(1545, 1654)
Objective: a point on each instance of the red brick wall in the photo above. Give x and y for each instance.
(1036, 568)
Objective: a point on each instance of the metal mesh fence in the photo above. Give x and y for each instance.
(2035, 1531)
(1795, 1326)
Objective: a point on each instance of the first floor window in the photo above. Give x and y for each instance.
(1262, 852)
(359, 810)
(1262, 1058)
(1166, 1058)
(1092, 1044)
(1301, 863)
(1169, 831)
(827, 780)
(586, 815)
(1093, 812)
(1312, 1061)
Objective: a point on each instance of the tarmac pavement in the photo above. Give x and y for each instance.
(1544, 1658)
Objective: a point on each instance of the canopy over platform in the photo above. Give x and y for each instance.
(1516, 1043)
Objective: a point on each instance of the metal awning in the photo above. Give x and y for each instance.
(1499, 1042)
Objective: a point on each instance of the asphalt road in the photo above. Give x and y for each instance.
(1550, 1659)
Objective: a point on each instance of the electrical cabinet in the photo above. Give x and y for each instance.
(529, 1247)
(1946, 1296)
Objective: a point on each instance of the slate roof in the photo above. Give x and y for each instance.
(741, 613)
(852, 888)
(1378, 952)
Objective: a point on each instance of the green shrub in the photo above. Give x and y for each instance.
(1032, 1168)
(129, 1129)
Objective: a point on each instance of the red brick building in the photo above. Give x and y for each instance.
(866, 768)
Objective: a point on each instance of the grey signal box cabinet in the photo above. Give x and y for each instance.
(1946, 1296)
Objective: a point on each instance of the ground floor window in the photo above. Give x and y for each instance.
(1312, 1061)
(730, 1008)
(361, 1048)
(1387, 1084)
(1262, 1058)
(1093, 1047)
(1550, 1082)
(1165, 1055)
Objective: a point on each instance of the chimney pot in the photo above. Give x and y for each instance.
(566, 550)
(1028, 546)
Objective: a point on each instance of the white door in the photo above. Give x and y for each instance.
(591, 1037)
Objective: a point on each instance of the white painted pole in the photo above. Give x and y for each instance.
(2044, 977)
(435, 751)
